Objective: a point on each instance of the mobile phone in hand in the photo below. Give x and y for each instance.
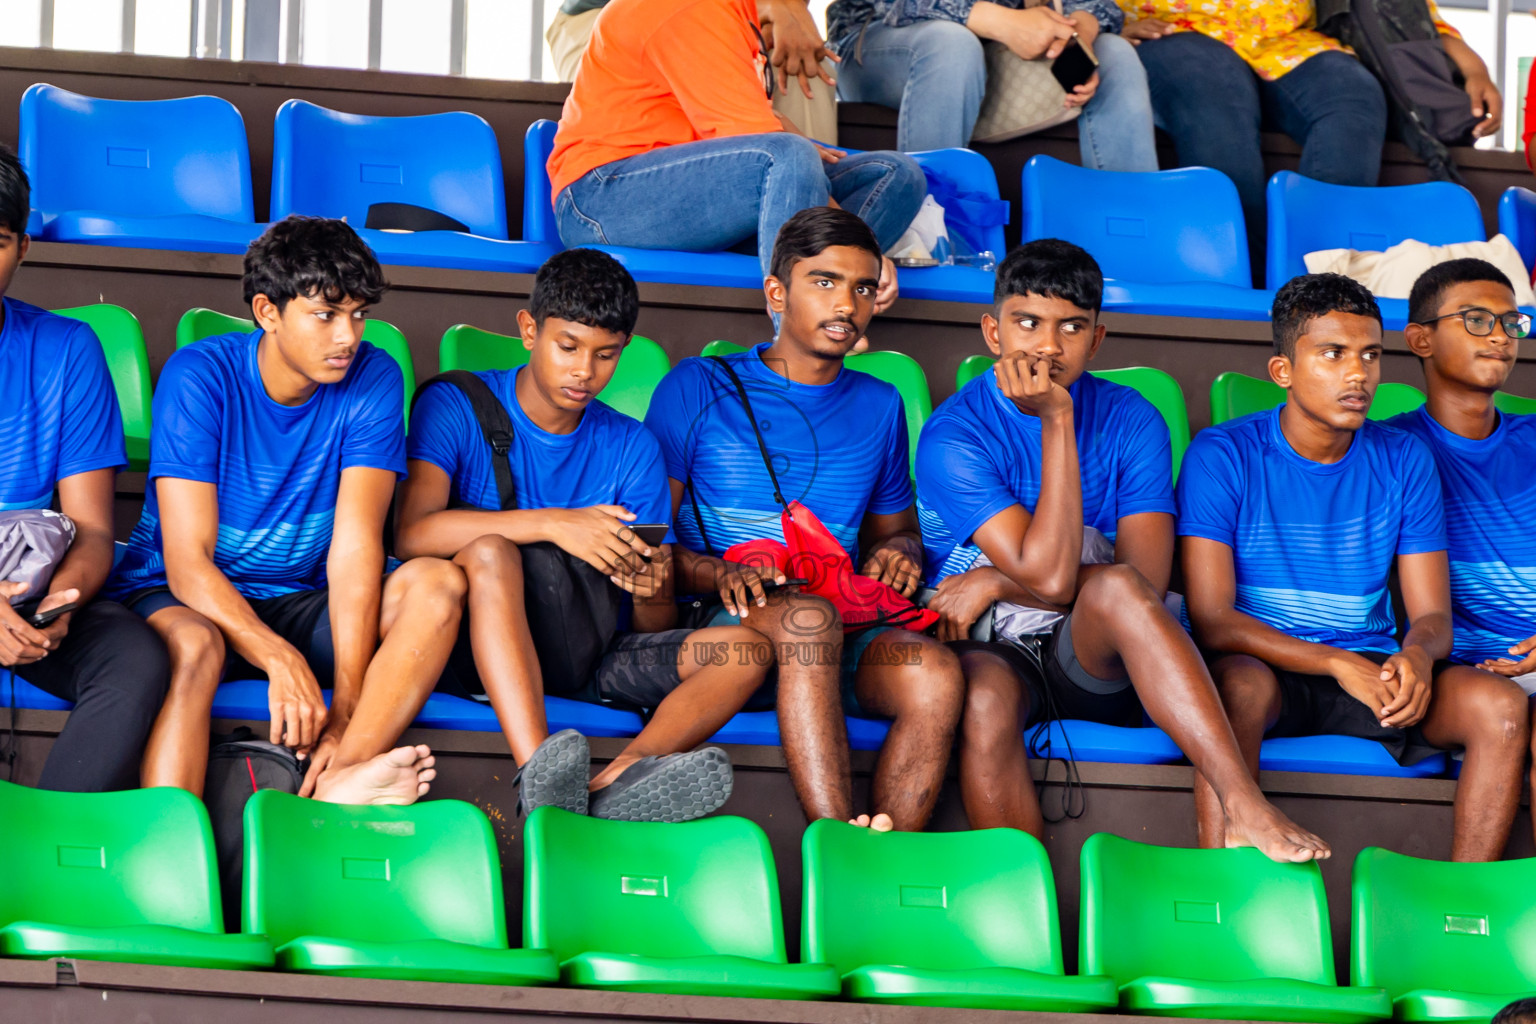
(41, 619)
(1075, 65)
(651, 534)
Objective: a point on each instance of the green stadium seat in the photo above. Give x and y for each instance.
(114, 876)
(1237, 394)
(1515, 405)
(895, 368)
(972, 367)
(641, 366)
(128, 361)
(1449, 942)
(688, 909)
(410, 893)
(1223, 934)
(1154, 385)
(958, 919)
(197, 324)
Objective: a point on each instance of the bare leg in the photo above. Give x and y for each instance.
(807, 636)
(916, 681)
(418, 621)
(995, 784)
(719, 674)
(177, 751)
(1251, 695)
(505, 657)
(1119, 626)
(1486, 714)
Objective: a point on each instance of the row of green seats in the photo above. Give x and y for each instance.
(1237, 394)
(960, 919)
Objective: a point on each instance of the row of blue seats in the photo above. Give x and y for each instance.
(175, 174)
(246, 700)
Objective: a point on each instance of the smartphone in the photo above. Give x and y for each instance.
(769, 586)
(651, 534)
(1075, 65)
(41, 619)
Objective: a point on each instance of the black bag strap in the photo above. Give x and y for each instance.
(762, 447)
(495, 424)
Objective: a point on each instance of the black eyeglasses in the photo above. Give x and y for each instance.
(1479, 322)
(762, 48)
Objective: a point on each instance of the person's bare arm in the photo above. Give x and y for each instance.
(1031, 33)
(1041, 551)
(655, 604)
(893, 549)
(795, 44)
(426, 525)
(1426, 585)
(1145, 543)
(189, 514)
(740, 586)
(1486, 101)
(86, 498)
(355, 568)
(1210, 582)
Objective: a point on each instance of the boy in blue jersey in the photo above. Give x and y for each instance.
(1292, 519)
(583, 474)
(64, 434)
(838, 444)
(1466, 329)
(272, 464)
(1045, 494)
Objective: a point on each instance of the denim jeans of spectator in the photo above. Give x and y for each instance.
(714, 194)
(934, 74)
(1213, 105)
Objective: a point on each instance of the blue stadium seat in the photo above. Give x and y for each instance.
(761, 728)
(1341, 755)
(158, 174)
(1309, 216)
(329, 164)
(966, 170)
(1107, 744)
(1170, 243)
(1517, 221)
(17, 692)
(35, 224)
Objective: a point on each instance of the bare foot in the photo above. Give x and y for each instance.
(1257, 822)
(879, 823)
(400, 776)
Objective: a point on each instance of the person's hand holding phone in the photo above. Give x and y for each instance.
(21, 642)
(1031, 33)
(1081, 94)
(600, 535)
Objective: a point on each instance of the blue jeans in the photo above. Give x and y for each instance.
(714, 194)
(934, 73)
(1213, 105)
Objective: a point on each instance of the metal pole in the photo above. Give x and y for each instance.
(45, 23)
(1500, 56)
(130, 25)
(375, 33)
(458, 29)
(293, 46)
(536, 42)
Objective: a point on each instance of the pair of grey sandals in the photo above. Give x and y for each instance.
(675, 787)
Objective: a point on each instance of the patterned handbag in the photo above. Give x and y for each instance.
(1022, 95)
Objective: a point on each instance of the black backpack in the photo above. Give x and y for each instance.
(573, 609)
(1397, 40)
(238, 765)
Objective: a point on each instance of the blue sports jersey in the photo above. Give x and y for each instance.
(839, 448)
(609, 459)
(277, 468)
(1490, 524)
(980, 455)
(58, 412)
(1313, 543)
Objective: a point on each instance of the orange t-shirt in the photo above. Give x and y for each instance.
(659, 73)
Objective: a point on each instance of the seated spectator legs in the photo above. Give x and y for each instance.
(711, 195)
(1303, 642)
(273, 464)
(581, 474)
(1214, 105)
(101, 657)
(838, 443)
(1115, 131)
(932, 72)
(1022, 479)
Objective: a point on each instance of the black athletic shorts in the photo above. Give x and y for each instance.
(1059, 686)
(302, 618)
(1315, 705)
(638, 670)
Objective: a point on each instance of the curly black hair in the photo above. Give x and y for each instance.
(316, 257)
